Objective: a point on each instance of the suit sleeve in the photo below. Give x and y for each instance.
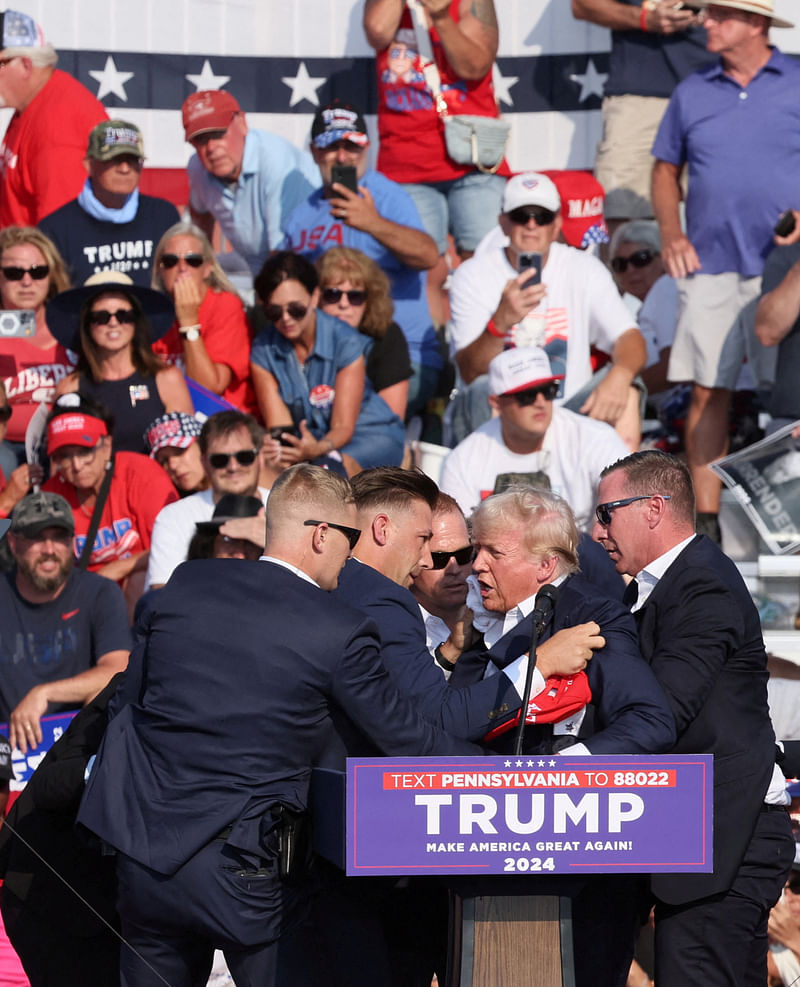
(364, 690)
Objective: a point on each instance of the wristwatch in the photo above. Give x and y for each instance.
(191, 333)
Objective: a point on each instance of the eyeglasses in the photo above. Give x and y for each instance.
(296, 310)
(793, 884)
(244, 457)
(530, 394)
(461, 555)
(540, 215)
(351, 534)
(332, 296)
(79, 454)
(210, 135)
(641, 258)
(170, 260)
(102, 316)
(5, 412)
(38, 272)
(603, 511)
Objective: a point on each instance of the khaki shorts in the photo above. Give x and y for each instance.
(715, 332)
(624, 164)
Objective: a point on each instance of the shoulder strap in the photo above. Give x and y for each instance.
(429, 69)
(97, 513)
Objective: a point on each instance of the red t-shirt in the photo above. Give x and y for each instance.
(139, 489)
(30, 375)
(41, 157)
(412, 146)
(227, 336)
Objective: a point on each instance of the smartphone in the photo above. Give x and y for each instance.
(277, 431)
(690, 7)
(345, 175)
(17, 323)
(785, 224)
(532, 263)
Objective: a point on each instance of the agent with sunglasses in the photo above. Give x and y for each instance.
(111, 323)
(308, 371)
(31, 273)
(700, 632)
(531, 440)
(210, 338)
(495, 303)
(354, 289)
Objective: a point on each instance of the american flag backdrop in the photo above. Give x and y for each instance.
(284, 58)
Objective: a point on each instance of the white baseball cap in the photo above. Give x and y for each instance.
(516, 370)
(531, 189)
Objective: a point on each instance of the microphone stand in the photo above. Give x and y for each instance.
(541, 614)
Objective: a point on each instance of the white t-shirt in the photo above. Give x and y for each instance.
(582, 307)
(574, 451)
(174, 530)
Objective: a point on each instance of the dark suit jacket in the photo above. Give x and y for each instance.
(631, 715)
(700, 631)
(228, 704)
(469, 713)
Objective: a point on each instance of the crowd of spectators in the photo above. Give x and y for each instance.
(164, 372)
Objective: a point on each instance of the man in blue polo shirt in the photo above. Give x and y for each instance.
(382, 221)
(736, 124)
(246, 180)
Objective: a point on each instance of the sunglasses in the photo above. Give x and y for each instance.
(331, 296)
(540, 215)
(170, 260)
(5, 412)
(351, 534)
(38, 272)
(461, 555)
(641, 258)
(102, 316)
(244, 457)
(296, 310)
(603, 511)
(793, 884)
(530, 394)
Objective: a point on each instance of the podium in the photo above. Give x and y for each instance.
(505, 833)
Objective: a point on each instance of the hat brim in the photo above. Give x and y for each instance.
(35, 527)
(748, 8)
(63, 311)
(212, 527)
(533, 383)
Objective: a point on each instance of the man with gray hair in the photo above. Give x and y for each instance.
(41, 157)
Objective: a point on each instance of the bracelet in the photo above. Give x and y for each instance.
(448, 666)
(492, 329)
(643, 18)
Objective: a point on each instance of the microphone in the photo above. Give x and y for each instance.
(546, 599)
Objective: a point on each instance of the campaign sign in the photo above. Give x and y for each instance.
(506, 814)
(25, 764)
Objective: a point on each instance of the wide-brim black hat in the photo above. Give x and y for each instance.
(63, 311)
(229, 508)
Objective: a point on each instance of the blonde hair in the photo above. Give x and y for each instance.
(17, 236)
(217, 280)
(346, 264)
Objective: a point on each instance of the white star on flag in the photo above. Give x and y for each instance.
(111, 80)
(303, 86)
(592, 82)
(207, 80)
(502, 84)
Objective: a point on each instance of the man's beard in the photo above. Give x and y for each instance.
(46, 584)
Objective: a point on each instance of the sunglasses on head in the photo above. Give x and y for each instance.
(540, 215)
(244, 457)
(102, 316)
(351, 534)
(641, 258)
(296, 310)
(530, 394)
(170, 260)
(38, 272)
(5, 412)
(461, 555)
(603, 511)
(331, 296)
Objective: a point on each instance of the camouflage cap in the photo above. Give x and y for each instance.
(41, 510)
(111, 138)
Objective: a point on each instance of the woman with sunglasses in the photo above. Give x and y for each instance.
(210, 337)
(354, 289)
(308, 371)
(111, 323)
(31, 273)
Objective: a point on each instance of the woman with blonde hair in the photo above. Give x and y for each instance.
(210, 338)
(354, 289)
(31, 273)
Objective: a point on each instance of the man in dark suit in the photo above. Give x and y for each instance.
(224, 708)
(700, 632)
